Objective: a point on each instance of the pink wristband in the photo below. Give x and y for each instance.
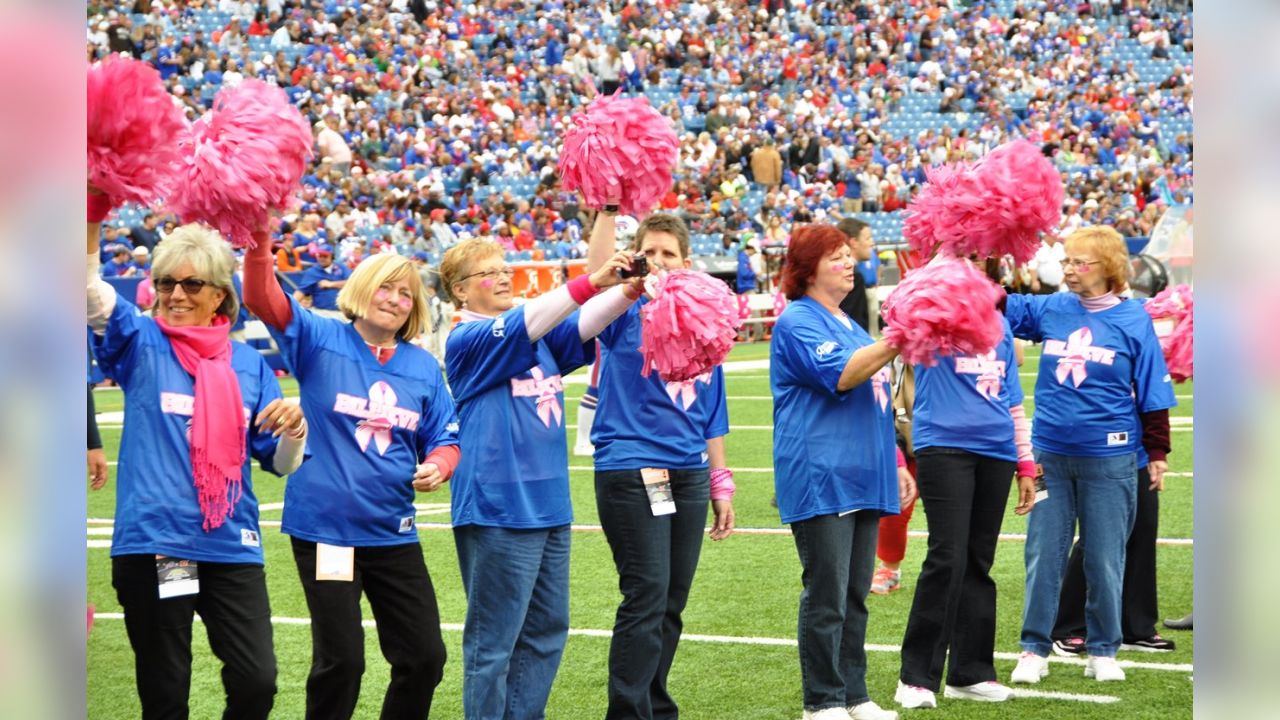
(99, 207)
(1026, 468)
(902, 459)
(722, 487)
(581, 289)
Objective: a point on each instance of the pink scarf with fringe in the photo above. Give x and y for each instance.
(218, 424)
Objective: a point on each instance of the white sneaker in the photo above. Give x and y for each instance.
(1031, 668)
(1103, 669)
(990, 691)
(835, 713)
(871, 711)
(914, 696)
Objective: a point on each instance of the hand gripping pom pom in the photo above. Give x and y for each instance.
(946, 307)
(619, 148)
(1172, 311)
(997, 206)
(134, 128)
(242, 159)
(690, 326)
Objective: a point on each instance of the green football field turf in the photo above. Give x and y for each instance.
(738, 659)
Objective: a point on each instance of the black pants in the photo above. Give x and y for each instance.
(656, 558)
(1138, 604)
(964, 498)
(233, 604)
(403, 601)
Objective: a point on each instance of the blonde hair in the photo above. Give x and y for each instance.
(210, 256)
(356, 295)
(458, 261)
(1108, 247)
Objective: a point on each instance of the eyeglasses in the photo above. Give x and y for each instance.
(1078, 265)
(190, 286)
(505, 272)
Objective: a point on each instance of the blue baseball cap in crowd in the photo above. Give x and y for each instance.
(324, 249)
(421, 255)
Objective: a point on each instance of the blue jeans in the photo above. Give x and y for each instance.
(1102, 493)
(838, 557)
(517, 586)
(656, 558)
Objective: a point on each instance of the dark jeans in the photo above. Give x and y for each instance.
(233, 604)
(837, 557)
(964, 498)
(1138, 599)
(656, 558)
(403, 601)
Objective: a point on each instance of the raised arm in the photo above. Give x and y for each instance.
(263, 295)
(864, 363)
(603, 242)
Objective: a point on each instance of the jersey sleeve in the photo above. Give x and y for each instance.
(618, 328)
(307, 284)
(718, 419)
(262, 445)
(439, 425)
(1024, 313)
(816, 359)
(305, 333)
(482, 353)
(1011, 378)
(567, 346)
(116, 349)
(1152, 385)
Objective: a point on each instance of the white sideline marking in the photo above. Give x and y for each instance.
(736, 640)
(1050, 695)
(99, 543)
(1007, 537)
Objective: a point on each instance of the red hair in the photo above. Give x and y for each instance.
(809, 246)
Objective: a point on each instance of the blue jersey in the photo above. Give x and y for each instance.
(370, 426)
(323, 298)
(1098, 370)
(514, 471)
(157, 508)
(963, 402)
(646, 422)
(833, 451)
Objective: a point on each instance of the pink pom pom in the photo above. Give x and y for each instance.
(1172, 312)
(242, 159)
(998, 206)
(620, 148)
(690, 326)
(134, 127)
(946, 307)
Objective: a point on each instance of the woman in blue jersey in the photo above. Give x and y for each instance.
(383, 427)
(833, 458)
(511, 506)
(1102, 390)
(970, 434)
(650, 431)
(186, 536)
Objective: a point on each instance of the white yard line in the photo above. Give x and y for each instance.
(737, 640)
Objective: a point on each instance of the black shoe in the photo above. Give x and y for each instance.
(1155, 643)
(1069, 647)
(1179, 624)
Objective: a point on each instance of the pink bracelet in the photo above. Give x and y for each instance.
(722, 487)
(1026, 468)
(581, 289)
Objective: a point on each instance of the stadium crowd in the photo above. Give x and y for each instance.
(439, 121)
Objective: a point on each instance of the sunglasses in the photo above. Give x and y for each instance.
(190, 286)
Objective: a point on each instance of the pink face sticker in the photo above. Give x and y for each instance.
(487, 283)
(839, 267)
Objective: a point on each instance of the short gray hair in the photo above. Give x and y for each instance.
(208, 253)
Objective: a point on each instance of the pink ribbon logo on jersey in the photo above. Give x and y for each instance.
(880, 387)
(377, 429)
(548, 402)
(547, 392)
(685, 392)
(989, 370)
(1075, 353)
